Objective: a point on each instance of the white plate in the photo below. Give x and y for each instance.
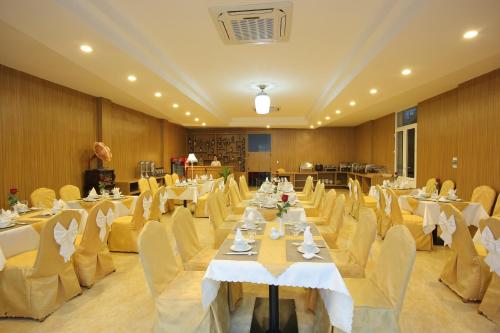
(244, 249)
(316, 250)
(6, 225)
(269, 206)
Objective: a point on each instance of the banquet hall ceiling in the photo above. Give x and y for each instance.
(337, 51)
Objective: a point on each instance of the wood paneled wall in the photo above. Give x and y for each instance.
(174, 142)
(47, 132)
(464, 122)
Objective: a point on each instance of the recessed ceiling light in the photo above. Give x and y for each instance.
(196, 119)
(406, 71)
(318, 122)
(86, 48)
(312, 126)
(203, 124)
(175, 105)
(187, 113)
(338, 112)
(268, 126)
(327, 118)
(352, 103)
(132, 78)
(157, 94)
(373, 91)
(471, 34)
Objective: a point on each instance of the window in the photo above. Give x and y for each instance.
(406, 143)
(259, 142)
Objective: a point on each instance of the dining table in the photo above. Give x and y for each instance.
(189, 192)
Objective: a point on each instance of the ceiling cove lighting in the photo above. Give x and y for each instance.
(471, 34)
(338, 111)
(373, 91)
(158, 94)
(86, 48)
(187, 113)
(132, 78)
(327, 118)
(196, 119)
(318, 122)
(175, 105)
(406, 71)
(203, 124)
(262, 101)
(352, 103)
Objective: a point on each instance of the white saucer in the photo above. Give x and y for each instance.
(316, 250)
(244, 249)
(268, 206)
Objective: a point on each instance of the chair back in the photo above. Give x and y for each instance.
(185, 235)
(245, 191)
(327, 210)
(396, 215)
(430, 186)
(157, 258)
(364, 236)
(356, 198)
(446, 187)
(43, 197)
(138, 218)
(381, 198)
(143, 185)
(308, 186)
(461, 242)
(214, 211)
(91, 241)
(168, 180)
(493, 223)
(233, 193)
(69, 192)
(394, 265)
(153, 184)
(158, 206)
(48, 260)
(496, 210)
(320, 194)
(337, 218)
(175, 178)
(484, 195)
(222, 205)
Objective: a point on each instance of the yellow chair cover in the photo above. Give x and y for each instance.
(312, 208)
(356, 199)
(155, 211)
(92, 259)
(153, 184)
(168, 180)
(446, 187)
(350, 197)
(305, 194)
(69, 192)
(378, 299)
(177, 293)
(36, 283)
(43, 197)
(465, 272)
(331, 232)
(225, 211)
(414, 223)
(430, 186)
(244, 191)
(175, 178)
(485, 195)
(143, 185)
(496, 210)
(126, 229)
(326, 210)
(237, 205)
(490, 305)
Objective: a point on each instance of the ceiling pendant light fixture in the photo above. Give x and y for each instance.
(262, 101)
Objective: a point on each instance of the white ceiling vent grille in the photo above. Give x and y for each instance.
(259, 23)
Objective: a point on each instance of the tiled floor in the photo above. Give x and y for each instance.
(121, 302)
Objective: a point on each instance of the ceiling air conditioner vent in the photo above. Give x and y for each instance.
(259, 23)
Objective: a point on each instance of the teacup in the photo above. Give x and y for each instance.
(309, 247)
(116, 195)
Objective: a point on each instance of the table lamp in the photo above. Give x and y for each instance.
(192, 159)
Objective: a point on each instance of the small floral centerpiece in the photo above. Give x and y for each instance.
(12, 198)
(283, 207)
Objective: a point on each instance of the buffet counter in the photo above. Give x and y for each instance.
(207, 170)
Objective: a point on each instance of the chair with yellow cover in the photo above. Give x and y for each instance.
(237, 204)
(153, 184)
(350, 197)
(355, 199)
(69, 193)
(306, 192)
(361, 200)
(168, 180)
(490, 305)
(176, 292)
(465, 272)
(326, 209)
(226, 212)
(430, 186)
(159, 204)
(383, 221)
(331, 231)
(484, 195)
(36, 283)
(414, 223)
(312, 208)
(43, 197)
(143, 185)
(496, 210)
(170, 202)
(201, 204)
(92, 259)
(446, 187)
(378, 299)
(175, 178)
(244, 191)
(126, 229)
(221, 227)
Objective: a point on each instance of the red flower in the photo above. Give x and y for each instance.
(13, 190)
(284, 197)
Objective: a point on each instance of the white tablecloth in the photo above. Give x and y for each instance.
(190, 192)
(430, 210)
(323, 276)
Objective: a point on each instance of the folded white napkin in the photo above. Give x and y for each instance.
(239, 240)
(146, 204)
(448, 227)
(452, 194)
(66, 239)
(250, 216)
(102, 221)
(267, 180)
(20, 207)
(6, 216)
(292, 197)
(421, 192)
(211, 177)
(493, 247)
(116, 191)
(177, 181)
(2, 260)
(92, 193)
(163, 200)
(442, 199)
(57, 206)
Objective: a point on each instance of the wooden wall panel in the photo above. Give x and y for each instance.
(363, 143)
(174, 142)
(383, 142)
(132, 137)
(46, 134)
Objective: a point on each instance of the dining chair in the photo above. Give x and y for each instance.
(306, 192)
(43, 197)
(126, 229)
(496, 210)
(465, 272)
(201, 204)
(378, 299)
(159, 204)
(175, 178)
(153, 184)
(143, 185)
(225, 210)
(92, 259)
(313, 208)
(331, 231)
(490, 305)
(361, 200)
(430, 186)
(446, 187)
(168, 180)
(484, 195)
(220, 227)
(414, 223)
(237, 204)
(326, 209)
(176, 292)
(69, 192)
(34, 284)
(244, 191)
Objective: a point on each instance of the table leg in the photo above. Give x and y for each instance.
(185, 203)
(274, 315)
